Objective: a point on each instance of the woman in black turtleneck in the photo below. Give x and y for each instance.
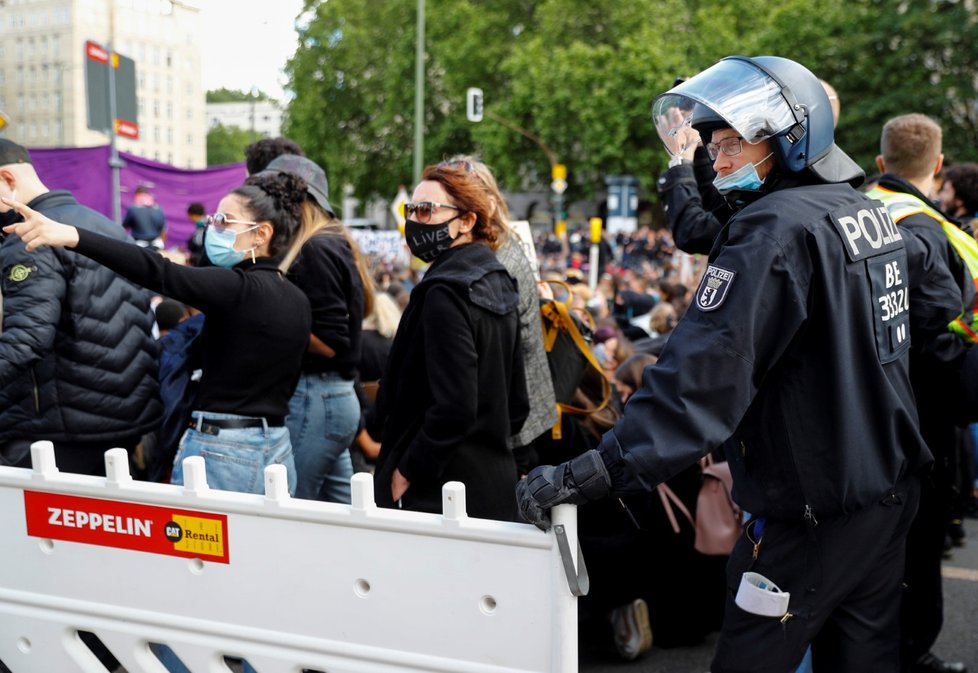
(255, 333)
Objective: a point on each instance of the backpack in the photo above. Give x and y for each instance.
(719, 521)
(567, 341)
(180, 355)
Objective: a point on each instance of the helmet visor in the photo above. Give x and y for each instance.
(746, 97)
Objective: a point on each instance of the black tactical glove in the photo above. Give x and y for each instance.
(576, 482)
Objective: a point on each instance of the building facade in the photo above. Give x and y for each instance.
(42, 74)
(261, 117)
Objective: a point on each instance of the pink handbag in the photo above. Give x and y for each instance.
(719, 521)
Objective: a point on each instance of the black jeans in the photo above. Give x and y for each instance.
(922, 615)
(70, 456)
(845, 578)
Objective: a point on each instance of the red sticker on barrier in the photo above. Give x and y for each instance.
(126, 525)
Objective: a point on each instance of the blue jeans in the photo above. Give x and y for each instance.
(174, 664)
(324, 415)
(235, 459)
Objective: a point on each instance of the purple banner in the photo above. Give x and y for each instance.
(84, 171)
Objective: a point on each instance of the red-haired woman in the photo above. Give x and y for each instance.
(454, 390)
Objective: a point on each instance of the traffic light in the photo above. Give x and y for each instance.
(473, 104)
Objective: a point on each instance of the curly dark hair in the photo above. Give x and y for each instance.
(964, 180)
(277, 198)
(261, 152)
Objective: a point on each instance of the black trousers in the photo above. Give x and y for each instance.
(845, 578)
(70, 456)
(922, 615)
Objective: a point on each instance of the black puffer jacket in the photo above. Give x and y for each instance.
(77, 355)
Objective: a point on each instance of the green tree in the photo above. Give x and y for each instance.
(585, 80)
(353, 109)
(225, 95)
(581, 74)
(226, 144)
(886, 58)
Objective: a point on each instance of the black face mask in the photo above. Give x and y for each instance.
(427, 241)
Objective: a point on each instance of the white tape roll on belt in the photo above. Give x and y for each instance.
(760, 596)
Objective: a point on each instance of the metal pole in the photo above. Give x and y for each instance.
(419, 96)
(114, 162)
(595, 253)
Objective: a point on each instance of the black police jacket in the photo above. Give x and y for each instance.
(941, 286)
(795, 349)
(77, 355)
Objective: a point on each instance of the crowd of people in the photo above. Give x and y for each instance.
(815, 337)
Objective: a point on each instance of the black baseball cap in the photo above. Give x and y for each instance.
(316, 185)
(12, 153)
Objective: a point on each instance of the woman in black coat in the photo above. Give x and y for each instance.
(454, 389)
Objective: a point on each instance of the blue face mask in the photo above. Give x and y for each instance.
(745, 177)
(219, 246)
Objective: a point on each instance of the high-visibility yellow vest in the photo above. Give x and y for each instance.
(901, 205)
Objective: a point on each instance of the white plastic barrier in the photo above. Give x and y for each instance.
(288, 585)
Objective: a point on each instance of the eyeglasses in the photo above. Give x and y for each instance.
(422, 210)
(220, 222)
(729, 146)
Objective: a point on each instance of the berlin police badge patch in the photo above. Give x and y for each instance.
(714, 287)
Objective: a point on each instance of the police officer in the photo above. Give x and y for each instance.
(794, 357)
(910, 158)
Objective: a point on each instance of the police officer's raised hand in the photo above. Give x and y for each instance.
(576, 482)
(690, 140)
(37, 230)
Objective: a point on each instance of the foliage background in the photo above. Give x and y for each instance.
(581, 75)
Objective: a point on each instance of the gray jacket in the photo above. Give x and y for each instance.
(539, 385)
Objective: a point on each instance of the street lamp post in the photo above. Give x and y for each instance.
(115, 163)
(419, 96)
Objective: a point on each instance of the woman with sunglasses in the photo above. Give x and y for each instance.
(453, 391)
(255, 333)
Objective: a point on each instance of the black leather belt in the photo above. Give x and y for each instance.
(213, 426)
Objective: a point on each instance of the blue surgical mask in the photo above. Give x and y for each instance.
(745, 177)
(219, 246)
